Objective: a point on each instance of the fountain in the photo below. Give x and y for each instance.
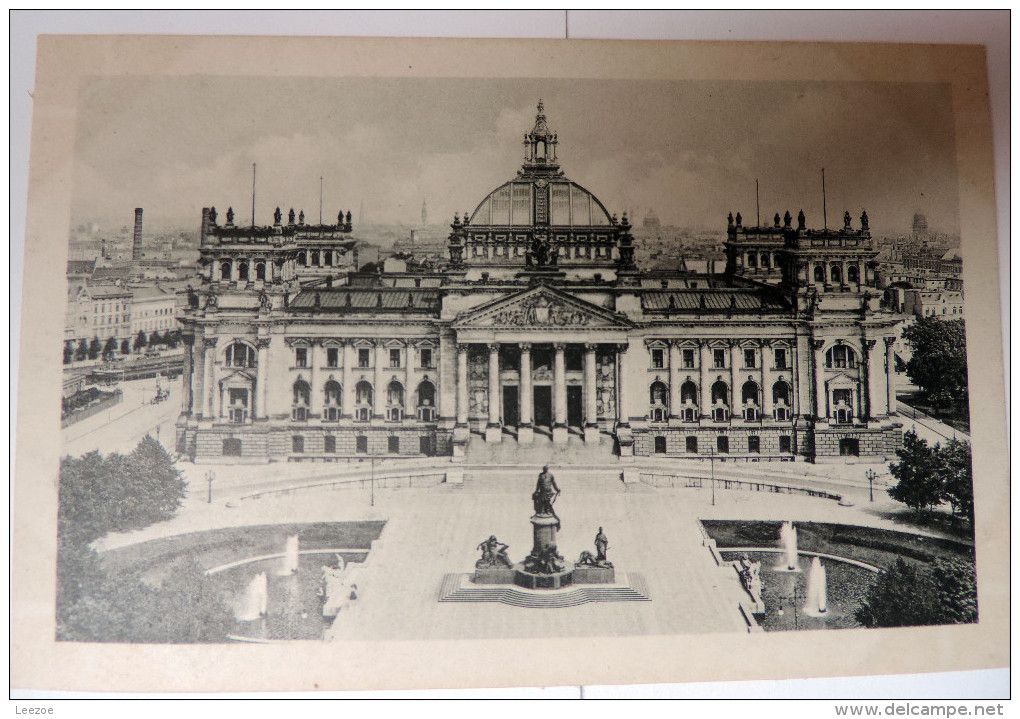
(816, 592)
(788, 535)
(255, 599)
(290, 557)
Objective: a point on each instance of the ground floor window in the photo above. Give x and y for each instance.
(692, 445)
(754, 444)
(785, 443)
(722, 444)
(425, 446)
(361, 444)
(849, 447)
(329, 444)
(231, 447)
(393, 445)
(297, 443)
(660, 445)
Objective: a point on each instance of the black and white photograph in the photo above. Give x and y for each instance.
(525, 359)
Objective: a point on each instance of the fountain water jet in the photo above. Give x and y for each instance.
(256, 599)
(788, 535)
(816, 590)
(290, 557)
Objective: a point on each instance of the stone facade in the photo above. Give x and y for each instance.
(539, 324)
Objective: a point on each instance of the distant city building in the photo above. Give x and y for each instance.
(919, 226)
(944, 305)
(153, 309)
(651, 221)
(136, 246)
(101, 311)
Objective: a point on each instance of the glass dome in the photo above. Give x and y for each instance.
(513, 205)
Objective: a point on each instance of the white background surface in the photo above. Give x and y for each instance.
(988, 28)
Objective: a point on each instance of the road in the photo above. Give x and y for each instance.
(120, 428)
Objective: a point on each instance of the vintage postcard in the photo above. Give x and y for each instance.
(451, 363)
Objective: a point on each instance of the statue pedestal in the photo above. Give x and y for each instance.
(594, 575)
(493, 575)
(528, 580)
(544, 533)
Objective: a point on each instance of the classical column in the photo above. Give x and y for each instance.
(409, 389)
(674, 379)
(493, 431)
(591, 417)
(821, 400)
(559, 394)
(379, 390)
(766, 382)
(198, 392)
(261, 378)
(890, 372)
(735, 360)
(705, 391)
(621, 387)
(525, 432)
(189, 369)
(315, 407)
(867, 405)
(462, 385)
(210, 377)
(347, 374)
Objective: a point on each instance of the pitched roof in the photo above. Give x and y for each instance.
(691, 301)
(374, 300)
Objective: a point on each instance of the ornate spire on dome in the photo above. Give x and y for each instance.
(540, 143)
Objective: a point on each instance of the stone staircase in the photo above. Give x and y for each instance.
(458, 588)
(521, 480)
(541, 451)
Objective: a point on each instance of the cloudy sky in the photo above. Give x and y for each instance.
(689, 150)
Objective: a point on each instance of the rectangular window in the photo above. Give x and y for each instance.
(722, 444)
(361, 444)
(393, 445)
(842, 396)
(749, 358)
(301, 357)
(781, 359)
(754, 444)
(425, 446)
(231, 447)
(364, 358)
(660, 445)
(692, 445)
(329, 444)
(719, 358)
(658, 360)
(394, 358)
(426, 358)
(785, 445)
(298, 443)
(688, 358)
(332, 357)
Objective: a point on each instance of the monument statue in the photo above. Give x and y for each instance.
(493, 554)
(750, 576)
(545, 495)
(599, 558)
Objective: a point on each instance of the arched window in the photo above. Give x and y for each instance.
(315, 258)
(781, 393)
(749, 393)
(840, 357)
(225, 271)
(260, 271)
(688, 393)
(819, 273)
(752, 259)
(395, 394)
(334, 397)
(835, 273)
(242, 271)
(239, 354)
(363, 399)
(765, 259)
(426, 402)
(852, 275)
(302, 393)
(720, 393)
(301, 259)
(658, 393)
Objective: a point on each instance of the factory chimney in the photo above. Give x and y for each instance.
(136, 246)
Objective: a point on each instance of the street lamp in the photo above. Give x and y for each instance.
(871, 484)
(796, 602)
(711, 467)
(372, 460)
(209, 477)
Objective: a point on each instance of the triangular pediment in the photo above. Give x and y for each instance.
(842, 380)
(541, 308)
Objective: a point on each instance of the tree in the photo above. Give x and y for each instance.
(939, 362)
(125, 347)
(156, 339)
(68, 352)
(140, 341)
(956, 477)
(919, 482)
(94, 348)
(907, 595)
(110, 348)
(82, 351)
